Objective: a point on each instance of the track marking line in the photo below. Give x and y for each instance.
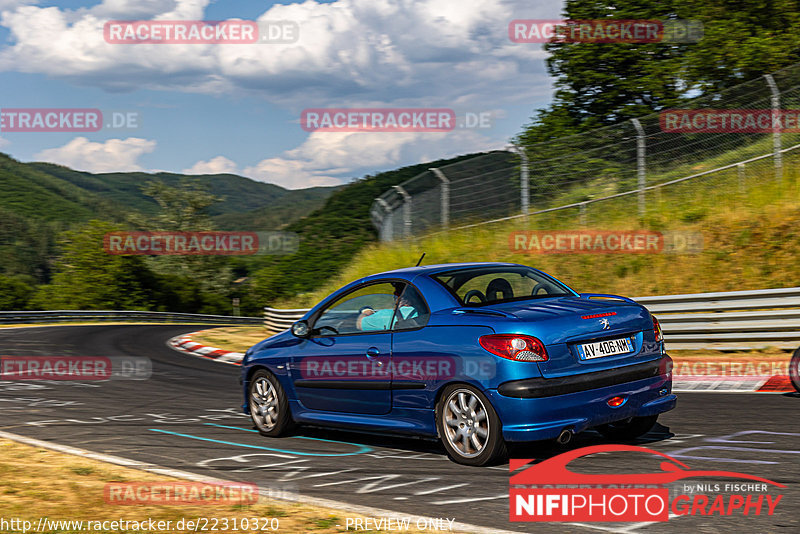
(475, 499)
(290, 497)
(363, 448)
(437, 490)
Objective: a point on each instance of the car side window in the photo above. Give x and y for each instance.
(368, 309)
(412, 312)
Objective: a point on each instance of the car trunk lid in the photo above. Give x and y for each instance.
(582, 334)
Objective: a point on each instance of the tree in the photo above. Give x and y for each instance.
(89, 278)
(185, 208)
(14, 293)
(743, 40)
(598, 84)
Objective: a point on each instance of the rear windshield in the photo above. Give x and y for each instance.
(478, 286)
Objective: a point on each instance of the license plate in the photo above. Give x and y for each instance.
(609, 347)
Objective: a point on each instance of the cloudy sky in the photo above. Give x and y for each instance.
(209, 108)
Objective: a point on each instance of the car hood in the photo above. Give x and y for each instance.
(281, 339)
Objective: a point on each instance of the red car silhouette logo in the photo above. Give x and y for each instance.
(554, 470)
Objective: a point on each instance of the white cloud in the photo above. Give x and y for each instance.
(143, 9)
(6, 5)
(4, 142)
(330, 158)
(291, 174)
(218, 165)
(115, 155)
(350, 52)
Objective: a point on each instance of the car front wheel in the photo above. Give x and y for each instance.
(269, 407)
(469, 427)
(794, 370)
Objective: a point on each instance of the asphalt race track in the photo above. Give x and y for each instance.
(186, 416)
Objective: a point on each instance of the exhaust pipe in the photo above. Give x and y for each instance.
(565, 436)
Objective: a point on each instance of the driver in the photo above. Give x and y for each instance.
(371, 320)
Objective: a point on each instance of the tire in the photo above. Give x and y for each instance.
(628, 429)
(468, 426)
(269, 407)
(794, 370)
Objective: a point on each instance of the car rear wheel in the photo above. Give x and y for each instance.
(469, 427)
(628, 429)
(794, 370)
(269, 407)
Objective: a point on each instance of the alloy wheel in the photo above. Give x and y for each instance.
(466, 423)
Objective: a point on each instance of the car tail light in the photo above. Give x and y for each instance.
(515, 347)
(657, 329)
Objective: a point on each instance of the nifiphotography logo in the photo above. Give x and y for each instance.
(549, 491)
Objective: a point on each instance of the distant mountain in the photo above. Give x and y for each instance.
(246, 204)
(39, 200)
(27, 191)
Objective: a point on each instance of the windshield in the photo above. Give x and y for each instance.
(477, 286)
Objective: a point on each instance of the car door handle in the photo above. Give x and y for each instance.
(373, 352)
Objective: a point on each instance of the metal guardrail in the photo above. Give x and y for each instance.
(277, 320)
(58, 316)
(733, 320)
(729, 320)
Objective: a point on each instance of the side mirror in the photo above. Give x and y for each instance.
(300, 329)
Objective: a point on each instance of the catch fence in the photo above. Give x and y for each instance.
(647, 166)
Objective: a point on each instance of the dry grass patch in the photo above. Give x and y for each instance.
(38, 483)
(233, 338)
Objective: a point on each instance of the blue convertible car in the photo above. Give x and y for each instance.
(476, 354)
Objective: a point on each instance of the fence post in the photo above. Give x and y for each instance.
(445, 197)
(406, 210)
(641, 170)
(524, 179)
(776, 130)
(387, 224)
(583, 213)
(740, 173)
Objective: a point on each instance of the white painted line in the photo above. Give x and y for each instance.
(233, 357)
(290, 497)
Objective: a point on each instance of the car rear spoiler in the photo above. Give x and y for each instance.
(482, 311)
(605, 296)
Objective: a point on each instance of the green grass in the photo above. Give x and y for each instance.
(748, 227)
(82, 470)
(326, 522)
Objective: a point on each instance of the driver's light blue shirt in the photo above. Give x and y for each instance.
(381, 318)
